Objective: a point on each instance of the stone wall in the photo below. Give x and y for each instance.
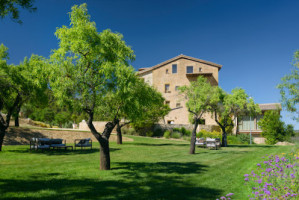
(19, 136)
(99, 125)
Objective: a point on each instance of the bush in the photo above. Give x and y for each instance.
(167, 134)
(176, 135)
(176, 129)
(187, 138)
(150, 134)
(206, 134)
(183, 130)
(273, 129)
(158, 132)
(245, 138)
(232, 139)
(128, 131)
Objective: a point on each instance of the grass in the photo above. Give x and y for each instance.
(146, 168)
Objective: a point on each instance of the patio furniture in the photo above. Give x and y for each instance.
(83, 143)
(213, 143)
(201, 142)
(46, 143)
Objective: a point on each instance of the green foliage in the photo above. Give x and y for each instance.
(200, 94)
(176, 135)
(150, 134)
(167, 134)
(245, 138)
(289, 88)
(273, 129)
(10, 7)
(158, 132)
(228, 129)
(207, 134)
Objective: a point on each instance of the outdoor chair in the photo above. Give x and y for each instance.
(83, 143)
(201, 142)
(212, 143)
(46, 143)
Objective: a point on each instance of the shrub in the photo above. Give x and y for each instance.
(167, 134)
(188, 133)
(232, 139)
(158, 132)
(176, 135)
(128, 131)
(150, 134)
(183, 130)
(206, 134)
(273, 129)
(187, 138)
(176, 129)
(245, 138)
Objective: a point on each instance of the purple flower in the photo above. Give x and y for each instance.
(273, 188)
(246, 179)
(246, 175)
(260, 181)
(230, 194)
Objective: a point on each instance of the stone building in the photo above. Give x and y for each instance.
(167, 76)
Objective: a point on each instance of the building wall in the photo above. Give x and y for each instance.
(160, 78)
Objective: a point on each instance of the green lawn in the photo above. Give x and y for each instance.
(144, 169)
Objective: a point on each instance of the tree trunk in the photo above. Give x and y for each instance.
(104, 155)
(16, 115)
(2, 134)
(119, 135)
(193, 138)
(103, 140)
(224, 137)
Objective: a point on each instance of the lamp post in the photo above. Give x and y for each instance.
(250, 124)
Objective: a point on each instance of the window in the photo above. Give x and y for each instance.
(170, 122)
(189, 69)
(245, 123)
(200, 69)
(167, 103)
(178, 105)
(174, 68)
(167, 71)
(177, 88)
(167, 88)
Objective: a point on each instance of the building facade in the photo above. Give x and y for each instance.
(168, 76)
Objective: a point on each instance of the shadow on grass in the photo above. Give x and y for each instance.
(162, 180)
(55, 152)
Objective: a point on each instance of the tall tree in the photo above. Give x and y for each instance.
(87, 68)
(10, 7)
(230, 106)
(18, 84)
(289, 88)
(200, 96)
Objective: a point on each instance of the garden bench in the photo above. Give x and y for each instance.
(213, 143)
(201, 142)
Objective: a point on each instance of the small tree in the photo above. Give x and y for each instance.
(231, 106)
(273, 129)
(289, 89)
(200, 96)
(18, 84)
(88, 69)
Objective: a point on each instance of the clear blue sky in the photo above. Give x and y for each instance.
(253, 40)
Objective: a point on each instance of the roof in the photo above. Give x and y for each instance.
(144, 70)
(270, 106)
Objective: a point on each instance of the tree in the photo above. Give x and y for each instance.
(289, 89)
(273, 129)
(11, 7)
(146, 107)
(87, 68)
(231, 106)
(18, 84)
(200, 95)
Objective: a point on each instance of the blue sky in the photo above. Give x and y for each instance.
(253, 40)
